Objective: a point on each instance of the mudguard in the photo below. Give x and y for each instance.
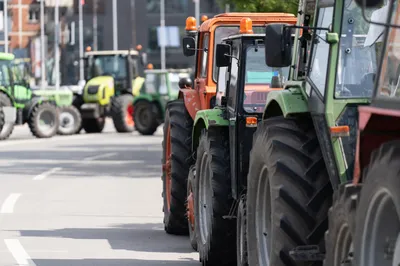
(204, 120)
(6, 92)
(192, 101)
(99, 90)
(289, 101)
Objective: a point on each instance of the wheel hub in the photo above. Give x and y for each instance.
(67, 120)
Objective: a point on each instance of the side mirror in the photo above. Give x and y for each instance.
(223, 55)
(189, 46)
(369, 3)
(278, 45)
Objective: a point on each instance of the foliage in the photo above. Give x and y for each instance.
(289, 6)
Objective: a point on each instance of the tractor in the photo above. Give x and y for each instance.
(111, 76)
(160, 87)
(180, 114)
(22, 105)
(304, 149)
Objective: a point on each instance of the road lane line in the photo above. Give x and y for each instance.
(47, 173)
(100, 156)
(9, 203)
(18, 252)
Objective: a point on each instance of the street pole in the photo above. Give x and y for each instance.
(56, 43)
(197, 11)
(81, 72)
(19, 23)
(133, 22)
(115, 26)
(6, 26)
(42, 46)
(95, 37)
(162, 35)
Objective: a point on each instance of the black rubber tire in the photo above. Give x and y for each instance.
(151, 111)
(297, 181)
(219, 245)
(241, 234)
(94, 125)
(33, 120)
(77, 121)
(181, 123)
(77, 102)
(382, 176)
(119, 109)
(341, 226)
(2, 119)
(191, 185)
(7, 129)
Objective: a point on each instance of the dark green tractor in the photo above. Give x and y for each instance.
(160, 87)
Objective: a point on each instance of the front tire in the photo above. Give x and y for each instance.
(122, 113)
(288, 192)
(377, 236)
(146, 117)
(216, 235)
(70, 120)
(44, 120)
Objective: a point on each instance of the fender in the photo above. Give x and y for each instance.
(192, 101)
(204, 120)
(3, 90)
(285, 102)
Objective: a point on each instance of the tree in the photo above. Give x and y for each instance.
(287, 6)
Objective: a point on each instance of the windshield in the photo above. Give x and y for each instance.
(5, 73)
(360, 46)
(110, 65)
(224, 31)
(260, 79)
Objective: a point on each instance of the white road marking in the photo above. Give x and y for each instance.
(100, 156)
(9, 203)
(18, 252)
(31, 141)
(47, 173)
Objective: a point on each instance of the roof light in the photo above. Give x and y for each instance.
(246, 26)
(204, 18)
(190, 24)
(340, 131)
(150, 66)
(251, 121)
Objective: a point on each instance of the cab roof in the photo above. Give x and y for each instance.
(257, 18)
(111, 52)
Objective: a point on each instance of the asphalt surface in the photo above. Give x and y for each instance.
(88, 199)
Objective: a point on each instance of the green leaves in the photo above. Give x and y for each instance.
(288, 6)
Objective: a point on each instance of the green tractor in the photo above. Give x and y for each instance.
(22, 105)
(112, 77)
(160, 86)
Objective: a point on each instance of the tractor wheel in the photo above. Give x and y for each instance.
(177, 158)
(94, 125)
(377, 235)
(9, 127)
(44, 120)
(2, 119)
(146, 117)
(122, 113)
(190, 207)
(70, 120)
(289, 192)
(339, 238)
(216, 235)
(241, 234)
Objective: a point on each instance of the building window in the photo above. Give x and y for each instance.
(172, 39)
(34, 14)
(171, 6)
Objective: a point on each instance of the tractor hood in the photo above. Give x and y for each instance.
(101, 80)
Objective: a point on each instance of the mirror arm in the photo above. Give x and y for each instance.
(307, 28)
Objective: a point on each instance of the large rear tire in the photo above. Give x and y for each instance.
(288, 194)
(70, 120)
(146, 117)
(216, 235)
(8, 128)
(44, 120)
(377, 235)
(177, 158)
(122, 113)
(94, 125)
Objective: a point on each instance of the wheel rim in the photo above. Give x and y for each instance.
(263, 218)
(129, 115)
(142, 114)
(190, 207)
(343, 246)
(382, 226)
(205, 202)
(46, 122)
(168, 167)
(67, 120)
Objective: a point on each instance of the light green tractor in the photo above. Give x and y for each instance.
(160, 87)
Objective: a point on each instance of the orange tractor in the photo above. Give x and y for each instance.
(177, 155)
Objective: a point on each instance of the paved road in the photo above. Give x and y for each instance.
(85, 200)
